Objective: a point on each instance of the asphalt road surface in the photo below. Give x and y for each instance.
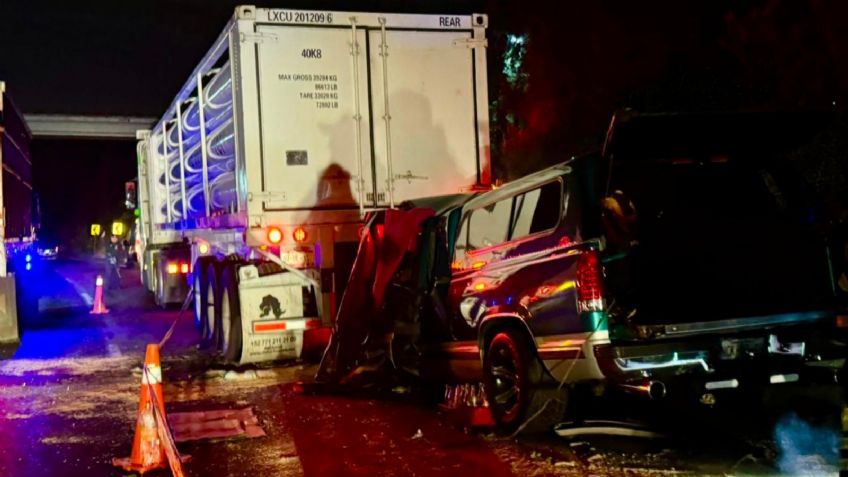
(69, 395)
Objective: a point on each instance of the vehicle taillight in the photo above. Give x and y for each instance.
(173, 268)
(299, 234)
(590, 289)
(184, 268)
(275, 235)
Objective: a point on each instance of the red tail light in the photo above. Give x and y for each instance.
(590, 282)
(184, 268)
(275, 235)
(299, 235)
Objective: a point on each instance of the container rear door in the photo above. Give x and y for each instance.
(307, 107)
(430, 77)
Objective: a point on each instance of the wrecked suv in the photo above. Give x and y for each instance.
(681, 262)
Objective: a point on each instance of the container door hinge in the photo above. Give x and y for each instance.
(471, 43)
(258, 37)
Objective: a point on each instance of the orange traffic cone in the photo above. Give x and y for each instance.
(148, 450)
(99, 307)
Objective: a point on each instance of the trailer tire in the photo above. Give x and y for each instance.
(158, 284)
(202, 302)
(213, 292)
(143, 272)
(231, 335)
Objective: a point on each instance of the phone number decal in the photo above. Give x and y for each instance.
(289, 16)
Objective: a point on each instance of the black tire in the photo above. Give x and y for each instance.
(158, 284)
(513, 377)
(200, 286)
(231, 335)
(213, 295)
(142, 275)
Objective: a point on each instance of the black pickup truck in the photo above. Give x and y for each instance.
(680, 262)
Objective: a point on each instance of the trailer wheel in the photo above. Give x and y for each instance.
(143, 272)
(213, 304)
(204, 300)
(158, 284)
(231, 336)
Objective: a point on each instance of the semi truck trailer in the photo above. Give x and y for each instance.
(16, 212)
(294, 126)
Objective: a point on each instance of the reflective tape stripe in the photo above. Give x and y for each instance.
(153, 374)
(284, 325)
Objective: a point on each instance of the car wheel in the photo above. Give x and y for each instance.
(513, 387)
(231, 335)
(508, 386)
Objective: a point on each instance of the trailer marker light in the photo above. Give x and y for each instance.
(172, 268)
(275, 235)
(299, 234)
(184, 268)
(478, 265)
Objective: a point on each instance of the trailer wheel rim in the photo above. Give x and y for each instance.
(225, 320)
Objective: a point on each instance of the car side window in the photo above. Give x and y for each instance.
(489, 225)
(536, 210)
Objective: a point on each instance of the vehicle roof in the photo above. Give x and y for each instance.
(521, 184)
(443, 203)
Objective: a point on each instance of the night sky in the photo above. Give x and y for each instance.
(583, 61)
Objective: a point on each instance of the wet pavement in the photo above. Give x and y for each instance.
(69, 394)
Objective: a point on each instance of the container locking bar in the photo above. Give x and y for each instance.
(387, 116)
(357, 116)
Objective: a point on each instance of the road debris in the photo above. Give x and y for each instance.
(221, 424)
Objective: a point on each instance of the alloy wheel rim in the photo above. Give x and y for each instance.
(506, 381)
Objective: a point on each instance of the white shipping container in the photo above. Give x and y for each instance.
(302, 121)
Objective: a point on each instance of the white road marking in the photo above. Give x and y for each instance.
(89, 301)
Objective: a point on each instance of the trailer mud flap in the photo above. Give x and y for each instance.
(272, 320)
